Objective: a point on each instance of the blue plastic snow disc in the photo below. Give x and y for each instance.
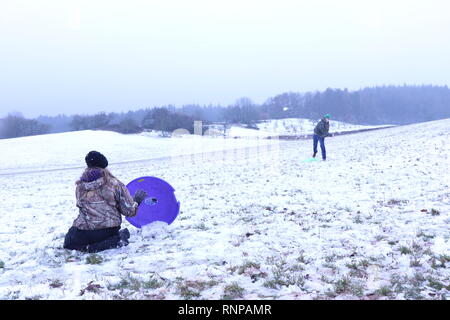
(159, 205)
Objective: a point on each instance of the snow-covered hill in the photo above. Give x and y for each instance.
(372, 222)
(292, 126)
(67, 150)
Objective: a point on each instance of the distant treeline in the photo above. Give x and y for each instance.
(371, 106)
(15, 125)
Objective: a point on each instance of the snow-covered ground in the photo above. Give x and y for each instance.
(372, 222)
(292, 126)
(65, 150)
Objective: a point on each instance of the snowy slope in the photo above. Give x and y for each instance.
(292, 126)
(66, 150)
(370, 223)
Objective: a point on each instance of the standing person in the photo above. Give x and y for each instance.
(101, 199)
(320, 132)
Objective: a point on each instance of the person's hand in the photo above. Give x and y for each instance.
(139, 196)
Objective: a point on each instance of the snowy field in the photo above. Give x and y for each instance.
(292, 126)
(66, 150)
(372, 222)
(63, 150)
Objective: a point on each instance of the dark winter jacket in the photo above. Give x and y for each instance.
(102, 202)
(322, 128)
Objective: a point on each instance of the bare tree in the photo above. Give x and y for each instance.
(129, 125)
(15, 125)
(77, 123)
(100, 120)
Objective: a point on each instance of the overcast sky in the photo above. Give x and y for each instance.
(90, 56)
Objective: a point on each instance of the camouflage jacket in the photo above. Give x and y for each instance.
(101, 204)
(322, 128)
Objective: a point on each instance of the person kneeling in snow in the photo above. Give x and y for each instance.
(101, 199)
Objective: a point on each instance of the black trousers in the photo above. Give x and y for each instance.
(98, 240)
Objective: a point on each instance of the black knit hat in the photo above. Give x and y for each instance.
(96, 159)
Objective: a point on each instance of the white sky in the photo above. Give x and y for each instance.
(89, 56)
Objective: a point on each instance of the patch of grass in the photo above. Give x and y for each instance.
(70, 255)
(323, 278)
(443, 259)
(364, 263)
(329, 294)
(127, 282)
(72, 258)
(152, 283)
(398, 282)
(405, 250)
(357, 289)
(357, 219)
(191, 289)
(201, 226)
(279, 281)
(411, 287)
(56, 283)
(416, 251)
(94, 259)
(440, 261)
(434, 263)
(246, 219)
(413, 293)
(284, 275)
(297, 267)
(346, 285)
(436, 284)
(91, 287)
(302, 259)
(330, 265)
(330, 261)
(13, 295)
(396, 202)
(385, 291)
(342, 285)
(416, 247)
(232, 269)
(425, 236)
(254, 274)
(435, 212)
(233, 291)
(415, 261)
(358, 269)
(331, 258)
(347, 209)
(352, 265)
(248, 265)
(36, 297)
(186, 291)
(211, 283)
